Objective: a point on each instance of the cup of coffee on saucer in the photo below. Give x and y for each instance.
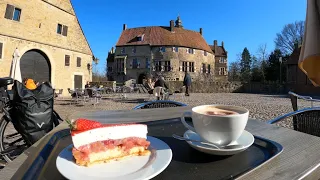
(217, 124)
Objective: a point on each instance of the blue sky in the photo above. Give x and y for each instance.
(239, 23)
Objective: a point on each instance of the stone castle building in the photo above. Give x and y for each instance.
(50, 41)
(221, 61)
(166, 50)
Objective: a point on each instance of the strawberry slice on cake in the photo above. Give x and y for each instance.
(96, 143)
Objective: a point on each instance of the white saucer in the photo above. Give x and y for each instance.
(246, 140)
(133, 168)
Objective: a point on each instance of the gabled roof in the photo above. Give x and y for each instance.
(220, 51)
(162, 36)
(76, 17)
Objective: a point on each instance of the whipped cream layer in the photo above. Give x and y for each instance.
(109, 133)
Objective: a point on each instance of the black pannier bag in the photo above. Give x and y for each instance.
(3, 95)
(32, 112)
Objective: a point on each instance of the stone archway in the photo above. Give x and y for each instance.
(141, 77)
(35, 64)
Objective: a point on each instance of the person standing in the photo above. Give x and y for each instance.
(87, 85)
(187, 82)
(161, 83)
(149, 85)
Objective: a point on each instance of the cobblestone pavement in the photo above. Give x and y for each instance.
(261, 106)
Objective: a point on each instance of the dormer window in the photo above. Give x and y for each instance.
(175, 49)
(140, 37)
(162, 49)
(191, 51)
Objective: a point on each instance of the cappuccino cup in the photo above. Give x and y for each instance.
(217, 124)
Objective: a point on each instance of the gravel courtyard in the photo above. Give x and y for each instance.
(261, 106)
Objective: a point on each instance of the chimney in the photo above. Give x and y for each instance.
(171, 25)
(222, 43)
(215, 43)
(201, 31)
(124, 26)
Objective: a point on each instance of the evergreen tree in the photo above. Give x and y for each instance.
(273, 68)
(256, 70)
(245, 65)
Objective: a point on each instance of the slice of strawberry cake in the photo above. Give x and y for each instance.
(96, 143)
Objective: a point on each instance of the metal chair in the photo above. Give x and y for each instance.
(159, 104)
(305, 120)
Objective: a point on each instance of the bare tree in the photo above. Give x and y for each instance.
(262, 56)
(234, 71)
(290, 36)
(262, 53)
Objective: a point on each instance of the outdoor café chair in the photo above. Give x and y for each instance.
(76, 96)
(159, 104)
(306, 120)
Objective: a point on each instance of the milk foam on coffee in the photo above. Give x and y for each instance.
(211, 110)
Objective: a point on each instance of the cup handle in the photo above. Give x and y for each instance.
(185, 123)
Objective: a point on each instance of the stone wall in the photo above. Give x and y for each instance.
(37, 30)
(144, 53)
(208, 87)
(39, 21)
(267, 88)
(182, 55)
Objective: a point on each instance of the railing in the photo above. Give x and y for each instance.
(306, 98)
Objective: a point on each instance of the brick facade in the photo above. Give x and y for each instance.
(37, 30)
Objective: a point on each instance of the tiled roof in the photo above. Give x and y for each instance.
(162, 36)
(220, 51)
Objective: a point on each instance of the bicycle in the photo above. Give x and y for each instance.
(11, 142)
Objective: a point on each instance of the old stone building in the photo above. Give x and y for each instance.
(166, 50)
(50, 41)
(221, 61)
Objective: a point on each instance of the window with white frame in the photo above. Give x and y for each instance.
(186, 66)
(62, 29)
(157, 66)
(162, 49)
(222, 60)
(204, 68)
(166, 66)
(175, 49)
(222, 71)
(12, 13)
(140, 37)
(205, 53)
(191, 51)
